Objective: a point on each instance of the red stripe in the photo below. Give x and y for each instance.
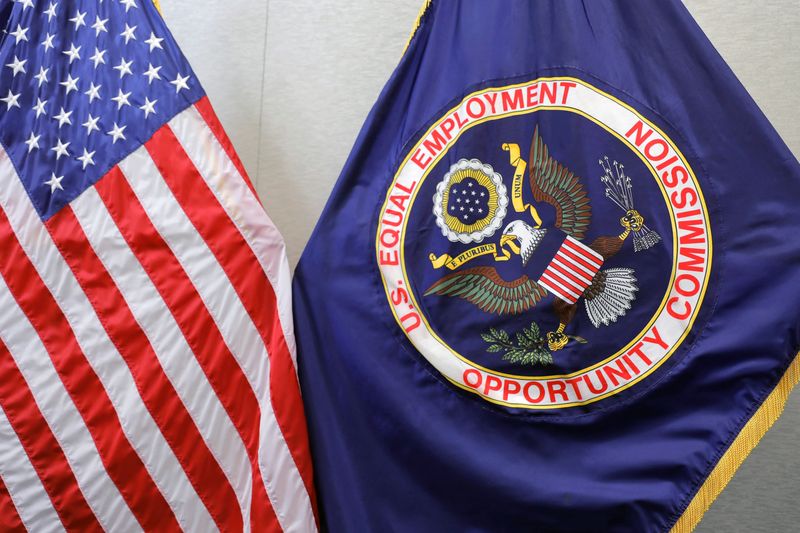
(584, 253)
(578, 260)
(248, 280)
(563, 281)
(155, 388)
(567, 285)
(123, 465)
(581, 284)
(192, 317)
(203, 107)
(556, 290)
(42, 448)
(292, 419)
(9, 517)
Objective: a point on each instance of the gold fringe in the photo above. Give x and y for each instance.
(422, 12)
(158, 5)
(745, 442)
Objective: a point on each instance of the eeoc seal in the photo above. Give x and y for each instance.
(573, 249)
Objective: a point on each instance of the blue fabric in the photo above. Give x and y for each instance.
(399, 448)
(100, 37)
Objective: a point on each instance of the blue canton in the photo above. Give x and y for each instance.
(83, 84)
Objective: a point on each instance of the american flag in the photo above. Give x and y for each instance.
(571, 271)
(146, 346)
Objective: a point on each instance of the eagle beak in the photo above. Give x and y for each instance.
(507, 238)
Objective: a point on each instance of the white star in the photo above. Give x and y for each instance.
(124, 67)
(17, 66)
(71, 84)
(152, 73)
(100, 25)
(128, 4)
(39, 107)
(86, 158)
(117, 134)
(20, 34)
(471, 210)
(78, 19)
(91, 124)
(73, 53)
(98, 57)
(129, 33)
(25, 4)
(180, 83)
(55, 183)
(42, 76)
(60, 149)
(11, 100)
(48, 42)
(121, 99)
(33, 142)
(51, 11)
(154, 42)
(63, 118)
(93, 93)
(148, 107)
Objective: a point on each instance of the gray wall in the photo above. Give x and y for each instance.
(299, 76)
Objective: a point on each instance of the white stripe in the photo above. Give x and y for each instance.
(580, 275)
(564, 292)
(34, 362)
(543, 283)
(564, 280)
(62, 416)
(599, 258)
(286, 489)
(212, 285)
(27, 492)
(567, 292)
(564, 258)
(595, 258)
(175, 357)
(242, 206)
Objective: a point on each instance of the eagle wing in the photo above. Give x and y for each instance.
(553, 183)
(484, 287)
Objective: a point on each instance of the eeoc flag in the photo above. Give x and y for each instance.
(146, 344)
(557, 287)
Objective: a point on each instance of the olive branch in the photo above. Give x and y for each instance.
(528, 348)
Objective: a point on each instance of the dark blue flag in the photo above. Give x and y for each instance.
(557, 286)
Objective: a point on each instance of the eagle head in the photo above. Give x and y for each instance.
(526, 236)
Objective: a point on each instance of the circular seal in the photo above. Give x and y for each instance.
(574, 248)
(470, 202)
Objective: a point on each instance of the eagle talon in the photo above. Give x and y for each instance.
(632, 221)
(556, 340)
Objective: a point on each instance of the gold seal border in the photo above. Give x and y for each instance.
(682, 158)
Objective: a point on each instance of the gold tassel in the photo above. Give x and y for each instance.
(745, 442)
